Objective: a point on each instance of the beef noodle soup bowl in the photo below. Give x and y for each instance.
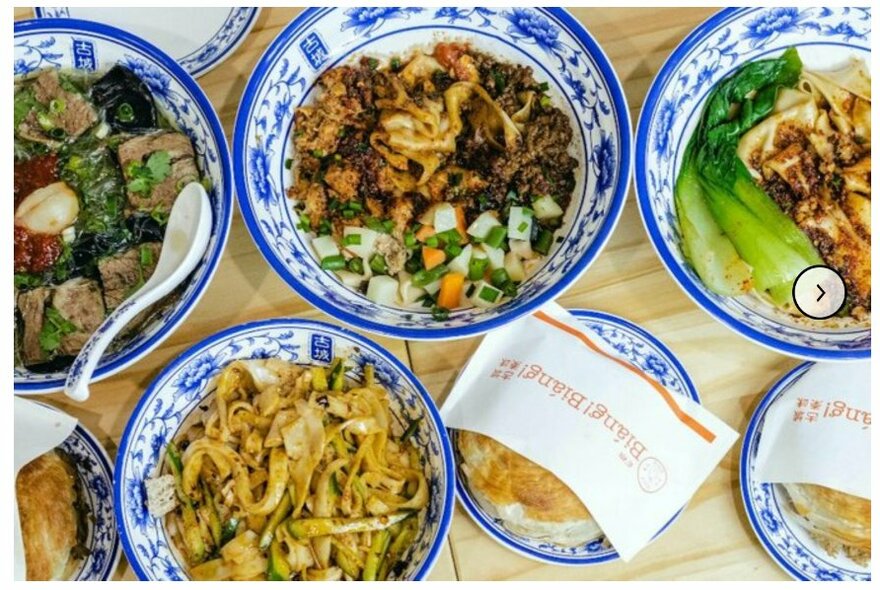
(108, 130)
(431, 173)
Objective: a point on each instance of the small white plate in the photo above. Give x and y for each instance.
(198, 38)
(640, 348)
(787, 542)
(95, 472)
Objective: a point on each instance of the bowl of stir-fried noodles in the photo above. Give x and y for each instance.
(284, 450)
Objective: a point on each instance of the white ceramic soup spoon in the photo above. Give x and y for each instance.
(186, 238)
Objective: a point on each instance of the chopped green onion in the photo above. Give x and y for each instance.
(354, 206)
(356, 265)
(414, 264)
(348, 214)
(318, 154)
(125, 113)
(544, 86)
(489, 294)
(305, 223)
(426, 277)
(336, 262)
(409, 240)
(352, 240)
(373, 63)
(522, 226)
(57, 105)
(378, 264)
(450, 236)
(45, 121)
(477, 268)
(432, 241)
(395, 63)
(496, 236)
(288, 163)
(439, 314)
(324, 228)
(453, 250)
(542, 243)
(376, 225)
(499, 278)
(544, 101)
(454, 178)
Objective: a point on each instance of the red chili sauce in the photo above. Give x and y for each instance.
(34, 252)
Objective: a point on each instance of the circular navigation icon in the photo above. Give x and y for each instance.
(819, 292)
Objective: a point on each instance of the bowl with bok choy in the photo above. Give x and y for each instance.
(753, 164)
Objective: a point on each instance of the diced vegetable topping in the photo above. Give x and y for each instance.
(546, 208)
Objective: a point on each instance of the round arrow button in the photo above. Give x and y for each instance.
(819, 292)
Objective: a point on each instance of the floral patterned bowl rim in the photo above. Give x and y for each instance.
(192, 374)
(771, 26)
(634, 344)
(784, 540)
(215, 48)
(300, 271)
(95, 471)
(196, 107)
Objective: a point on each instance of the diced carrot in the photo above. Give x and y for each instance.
(451, 286)
(432, 257)
(460, 224)
(425, 232)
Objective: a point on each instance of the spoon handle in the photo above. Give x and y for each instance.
(79, 375)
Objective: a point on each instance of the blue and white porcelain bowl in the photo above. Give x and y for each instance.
(187, 382)
(92, 47)
(786, 541)
(634, 345)
(559, 51)
(825, 38)
(95, 472)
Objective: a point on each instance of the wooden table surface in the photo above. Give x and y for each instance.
(712, 539)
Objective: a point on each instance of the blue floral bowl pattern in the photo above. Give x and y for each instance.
(92, 47)
(825, 37)
(233, 30)
(785, 540)
(636, 346)
(182, 386)
(559, 50)
(95, 472)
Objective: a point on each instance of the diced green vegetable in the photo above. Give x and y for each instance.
(496, 236)
(335, 262)
(477, 268)
(425, 277)
(543, 241)
(378, 264)
(546, 208)
(356, 265)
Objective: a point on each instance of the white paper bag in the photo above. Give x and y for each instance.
(38, 429)
(555, 393)
(819, 431)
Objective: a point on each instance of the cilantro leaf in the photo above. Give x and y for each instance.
(159, 164)
(144, 177)
(55, 328)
